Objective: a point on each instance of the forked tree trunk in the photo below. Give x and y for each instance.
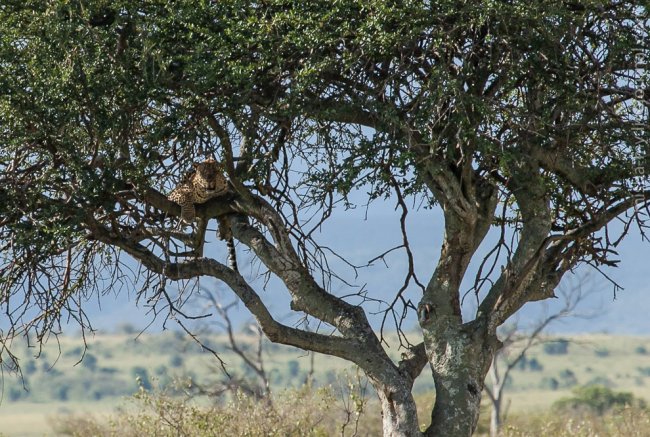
(460, 359)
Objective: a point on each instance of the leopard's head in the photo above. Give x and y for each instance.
(208, 173)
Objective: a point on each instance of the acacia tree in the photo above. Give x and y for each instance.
(530, 120)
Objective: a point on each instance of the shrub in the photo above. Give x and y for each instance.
(60, 393)
(549, 383)
(597, 399)
(602, 381)
(15, 394)
(293, 414)
(628, 422)
(176, 361)
(568, 378)
(534, 365)
(557, 347)
(602, 352)
(641, 350)
(141, 375)
(30, 367)
(90, 362)
(294, 368)
(74, 352)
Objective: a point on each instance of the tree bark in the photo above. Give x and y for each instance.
(399, 412)
(495, 417)
(460, 357)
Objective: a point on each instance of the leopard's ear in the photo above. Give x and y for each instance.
(195, 164)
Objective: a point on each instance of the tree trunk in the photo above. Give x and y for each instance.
(495, 417)
(460, 358)
(399, 413)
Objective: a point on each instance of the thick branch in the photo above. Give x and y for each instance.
(463, 234)
(192, 268)
(528, 189)
(414, 360)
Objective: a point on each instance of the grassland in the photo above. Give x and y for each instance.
(58, 383)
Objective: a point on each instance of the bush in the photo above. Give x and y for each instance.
(90, 362)
(295, 413)
(602, 381)
(176, 361)
(557, 347)
(597, 400)
(602, 352)
(74, 352)
(568, 378)
(549, 384)
(15, 394)
(629, 422)
(294, 368)
(641, 350)
(30, 367)
(61, 393)
(141, 375)
(534, 365)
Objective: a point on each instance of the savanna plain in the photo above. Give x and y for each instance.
(166, 384)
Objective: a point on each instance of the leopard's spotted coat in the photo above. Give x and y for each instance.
(205, 182)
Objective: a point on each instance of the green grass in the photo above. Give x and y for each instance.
(27, 416)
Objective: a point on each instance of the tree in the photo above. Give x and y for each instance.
(515, 345)
(255, 382)
(527, 120)
(90, 362)
(597, 399)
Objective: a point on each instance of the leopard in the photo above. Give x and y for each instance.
(206, 181)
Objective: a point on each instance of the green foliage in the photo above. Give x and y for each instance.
(557, 347)
(176, 360)
(141, 376)
(90, 362)
(29, 367)
(568, 378)
(597, 399)
(602, 352)
(103, 105)
(531, 364)
(641, 350)
(601, 381)
(15, 394)
(534, 365)
(293, 367)
(61, 393)
(549, 383)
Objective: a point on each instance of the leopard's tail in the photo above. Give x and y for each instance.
(224, 232)
(232, 255)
